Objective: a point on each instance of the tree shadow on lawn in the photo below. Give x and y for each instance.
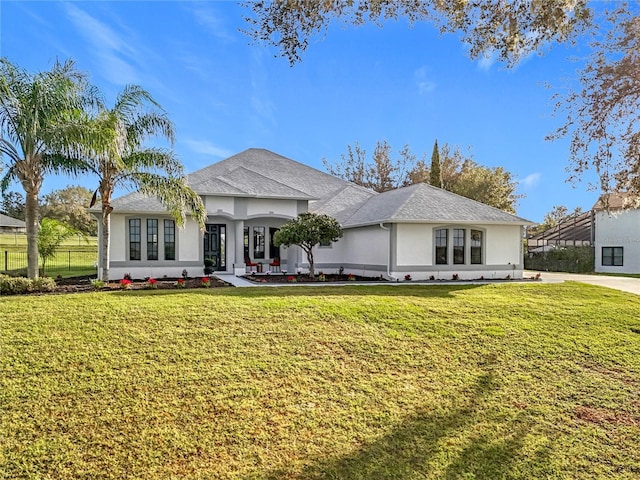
(410, 448)
(423, 291)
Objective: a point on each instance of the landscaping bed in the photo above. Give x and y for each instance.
(304, 278)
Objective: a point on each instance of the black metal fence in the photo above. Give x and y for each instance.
(14, 262)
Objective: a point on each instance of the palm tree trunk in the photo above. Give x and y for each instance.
(106, 235)
(31, 219)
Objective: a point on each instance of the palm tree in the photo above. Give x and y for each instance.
(116, 155)
(51, 235)
(39, 127)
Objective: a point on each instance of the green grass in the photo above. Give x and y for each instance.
(412, 382)
(10, 240)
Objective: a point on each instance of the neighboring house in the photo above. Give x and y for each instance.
(11, 225)
(420, 230)
(574, 231)
(617, 237)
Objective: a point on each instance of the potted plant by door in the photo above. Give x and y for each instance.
(209, 263)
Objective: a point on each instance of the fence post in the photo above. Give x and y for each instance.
(69, 261)
(6, 260)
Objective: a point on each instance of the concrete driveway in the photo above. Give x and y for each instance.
(625, 284)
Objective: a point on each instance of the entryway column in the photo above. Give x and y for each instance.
(239, 268)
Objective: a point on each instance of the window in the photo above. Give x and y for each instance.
(134, 239)
(476, 247)
(325, 244)
(612, 256)
(258, 242)
(152, 239)
(274, 252)
(246, 242)
(169, 240)
(458, 246)
(441, 246)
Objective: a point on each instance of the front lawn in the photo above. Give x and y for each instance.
(387, 382)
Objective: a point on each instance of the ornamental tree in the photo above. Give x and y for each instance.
(306, 231)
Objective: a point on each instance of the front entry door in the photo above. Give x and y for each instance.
(215, 237)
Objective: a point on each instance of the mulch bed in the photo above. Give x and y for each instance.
(83, 284)
(303, 278)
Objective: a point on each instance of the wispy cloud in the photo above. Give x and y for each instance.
(114, 54)
(531, 180)
(487, 61)
(210, 21)
(424, 84)
(207, 148)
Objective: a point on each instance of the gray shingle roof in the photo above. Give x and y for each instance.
(425, 203)
(135, 202)
(290, 179)
(342, 203)
(7, 221)
(264, 174)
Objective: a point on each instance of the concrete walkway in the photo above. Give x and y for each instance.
(625, 284)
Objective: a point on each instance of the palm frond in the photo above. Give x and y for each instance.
(154, 160)
(174, 193)
(7, 179)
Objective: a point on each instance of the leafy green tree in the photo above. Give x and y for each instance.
(13, 205)
(512, 30)
(50, 236)
(381, 174)
(70, 205)
(435, 174)
(306, 231)
(39, 126)
(458, 173)
(492, 186)
(116, 154)
(601, 108)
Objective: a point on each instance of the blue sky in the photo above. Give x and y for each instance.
(399, 84)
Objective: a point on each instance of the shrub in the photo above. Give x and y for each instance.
(206, 282)
(21, 285)
(97, 284)
(180, 283)
(152, 283)
(125, 283)
(407, 277)
(185, 274)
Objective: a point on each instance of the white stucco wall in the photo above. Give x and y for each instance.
(618, 229)
(220, 205)
(414, 244)
(503, 244)
(361, 251)
(259, 206)
(189, 241)
(117, 238)
(415, 252)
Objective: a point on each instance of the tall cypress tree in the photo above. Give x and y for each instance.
(435, 175)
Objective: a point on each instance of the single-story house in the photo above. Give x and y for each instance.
(420, 230)
(617, 234)
(11, 225)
